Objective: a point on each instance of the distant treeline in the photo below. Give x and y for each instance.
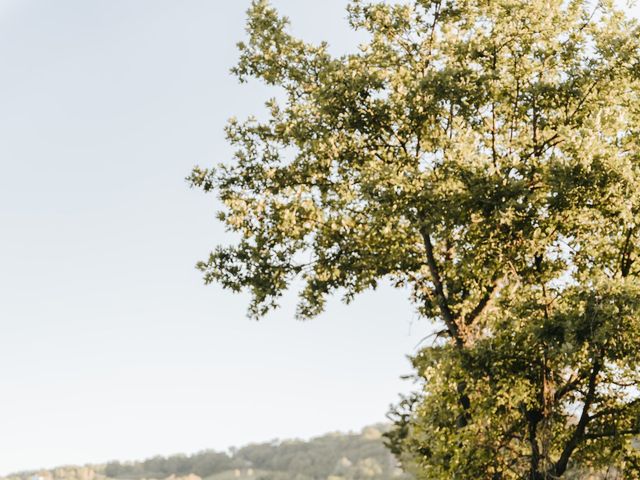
(203, 464)
(333, 456)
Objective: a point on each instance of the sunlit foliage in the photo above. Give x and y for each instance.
(485, 155)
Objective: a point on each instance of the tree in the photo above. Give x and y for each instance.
(484, 154)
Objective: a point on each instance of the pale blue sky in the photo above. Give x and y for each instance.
(110, 346)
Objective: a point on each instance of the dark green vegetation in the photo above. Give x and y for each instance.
(330, 457)
(484, 155)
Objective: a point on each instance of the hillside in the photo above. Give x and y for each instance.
(334, 456)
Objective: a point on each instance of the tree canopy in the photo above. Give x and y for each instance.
(485, 154)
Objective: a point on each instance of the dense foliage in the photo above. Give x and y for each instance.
(335, 457)
(486, 155)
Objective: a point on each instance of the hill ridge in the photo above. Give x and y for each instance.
(332, 456)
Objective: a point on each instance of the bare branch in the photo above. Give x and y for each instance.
(490, 293)
(443, 301)
(579, 433)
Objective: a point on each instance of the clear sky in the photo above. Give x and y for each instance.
(110, 346)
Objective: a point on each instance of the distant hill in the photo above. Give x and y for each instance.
(335, 456)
